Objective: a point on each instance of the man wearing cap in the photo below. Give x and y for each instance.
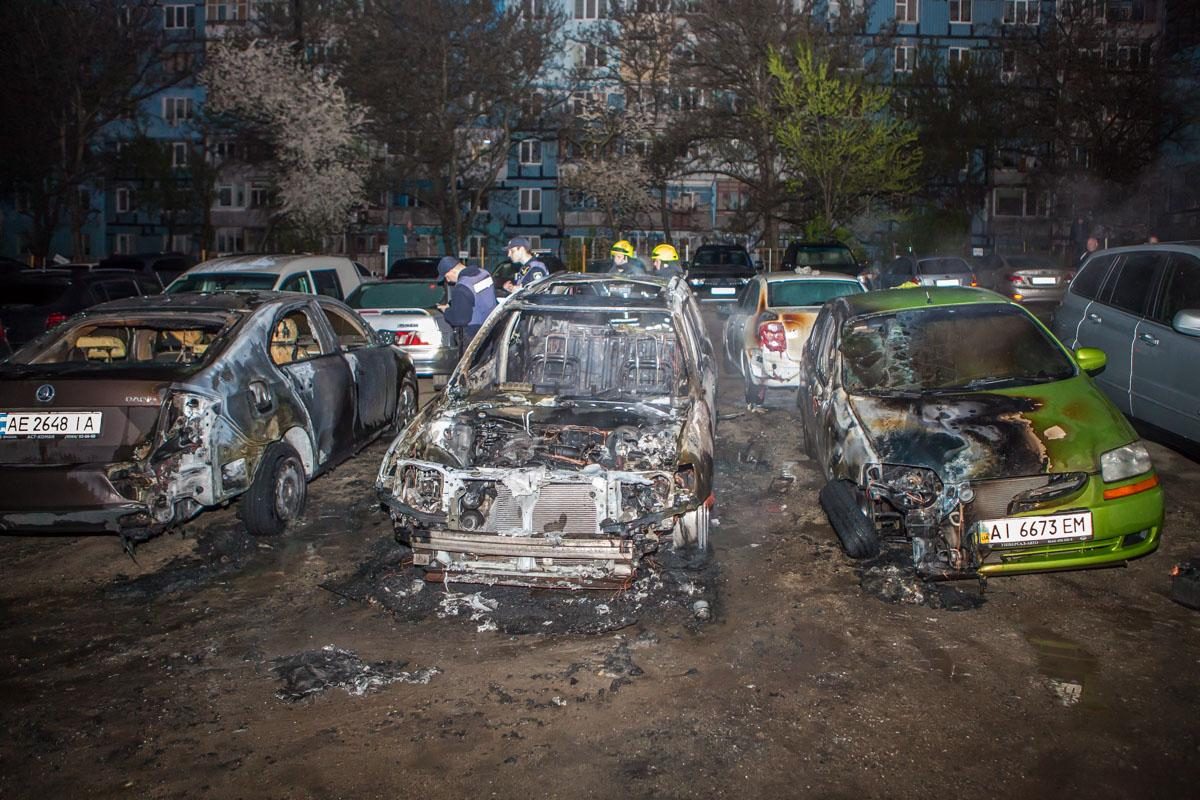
(472, 298)
(529, 269)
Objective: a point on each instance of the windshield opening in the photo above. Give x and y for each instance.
(829, 256)
(808, 293)
(31, 293)
(733, 260)
(570, 353)
(408, 294)
(943, 266)
(119, 342)
(949, 348)
(223, 282)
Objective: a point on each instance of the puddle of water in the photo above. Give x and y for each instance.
(1069, 669)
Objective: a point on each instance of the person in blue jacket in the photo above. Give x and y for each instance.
(472, 298)
(529, 269)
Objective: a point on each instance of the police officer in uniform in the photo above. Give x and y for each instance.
(529, 269)
(472, 298)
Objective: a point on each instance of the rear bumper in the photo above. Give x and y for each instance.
(75, 499)
(773, 369)
(429, 361)
(1033, 294)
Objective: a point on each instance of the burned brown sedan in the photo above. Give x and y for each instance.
(575, 438)
(141, 413)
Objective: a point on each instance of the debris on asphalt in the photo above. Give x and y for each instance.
(1068, 693)
(315, 671)
(667, 586)
(1185, 583)
(892, 578)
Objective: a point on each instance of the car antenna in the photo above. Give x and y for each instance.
(928, 299)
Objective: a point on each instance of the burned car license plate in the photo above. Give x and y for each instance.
(1017, 531)
(50, 423)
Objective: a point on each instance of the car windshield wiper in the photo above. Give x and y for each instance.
(997, 381)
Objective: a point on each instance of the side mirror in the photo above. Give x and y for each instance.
(384, 337)
(1090, 359)
(1187, 322)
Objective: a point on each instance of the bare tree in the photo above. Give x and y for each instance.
(74, 69)
(448, 83)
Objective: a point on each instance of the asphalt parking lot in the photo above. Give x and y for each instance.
(206, 666)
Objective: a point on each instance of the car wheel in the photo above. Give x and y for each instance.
(691, 531)
(856, 532)
(406, 403)
(756, 394)
(276, 496)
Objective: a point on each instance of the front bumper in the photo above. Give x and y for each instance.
(717, 290)
(1125, 528)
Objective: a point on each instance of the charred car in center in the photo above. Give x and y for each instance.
(139, 414)
(575, 437)
(951, 420)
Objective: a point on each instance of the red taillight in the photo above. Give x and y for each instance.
(1070, 277)
(772, 336)
(1014, 278)
(407, 339)
(54, 319)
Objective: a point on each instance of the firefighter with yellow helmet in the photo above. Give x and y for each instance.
(665, 260)
(624, 260)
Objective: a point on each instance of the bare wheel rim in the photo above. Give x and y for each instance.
(406, 405)
(289, 490)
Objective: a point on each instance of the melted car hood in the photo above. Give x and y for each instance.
(1057, 427)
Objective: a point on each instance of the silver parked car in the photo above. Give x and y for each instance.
(1141, 306)
(406, 310)
(925, 271)
(1028, 278)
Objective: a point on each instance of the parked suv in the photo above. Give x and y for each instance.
(719, 271)
(823, 256)
(1141, 306)
(37, 300)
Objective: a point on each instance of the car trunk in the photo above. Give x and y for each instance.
(129, 411)
(797, 323)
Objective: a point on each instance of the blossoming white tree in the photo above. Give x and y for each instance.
(302, 113)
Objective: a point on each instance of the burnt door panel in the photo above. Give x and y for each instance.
(373, 369)
(321, 381)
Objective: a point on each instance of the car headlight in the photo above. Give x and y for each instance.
(1124, 462)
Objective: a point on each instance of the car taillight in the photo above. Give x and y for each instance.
(1015, 278)
(974, 280)
(772, 336)
(1070, 276)
(54, 319)
(408, 339)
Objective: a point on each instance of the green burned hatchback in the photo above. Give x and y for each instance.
(953, 421)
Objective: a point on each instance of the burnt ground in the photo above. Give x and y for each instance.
(312, 666)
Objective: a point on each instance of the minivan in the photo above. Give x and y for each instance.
(1141, 306)
(333, 276)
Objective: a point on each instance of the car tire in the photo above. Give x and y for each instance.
(857, 534)
(406, 403)
(278, 493)
(691, 532)
(756, 394)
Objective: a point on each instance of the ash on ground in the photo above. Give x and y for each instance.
(891, 577)
(315, 671)
(667, 589)
(220, 550)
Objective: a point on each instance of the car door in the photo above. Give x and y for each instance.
(1165, 385)
(814, 381)
(1077, 302)
(373, 370)
(1111, 322)
(735, 326)
(320, 377)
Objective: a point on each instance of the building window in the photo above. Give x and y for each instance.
(590, 9)
(260, 195)
(586, 102)
(180, 61)
(124, 201)
(181, 243)
(231, 195)
(179, 154)
(685, 201)
(177, 17)
(123, 244)
(960, 56)
(960, 11)
(531, 201)
(1022, 12)
(533, 9)
(592, 56)
(230, 240)
(177, 109)
(227, 10)
(906, 57)
(223, 151)
(906, 10)
(531, 151)
(535, 243)
(475, 246)
(1008, 202)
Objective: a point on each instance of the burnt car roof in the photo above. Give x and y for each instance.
(194, 301)
(919, 297)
